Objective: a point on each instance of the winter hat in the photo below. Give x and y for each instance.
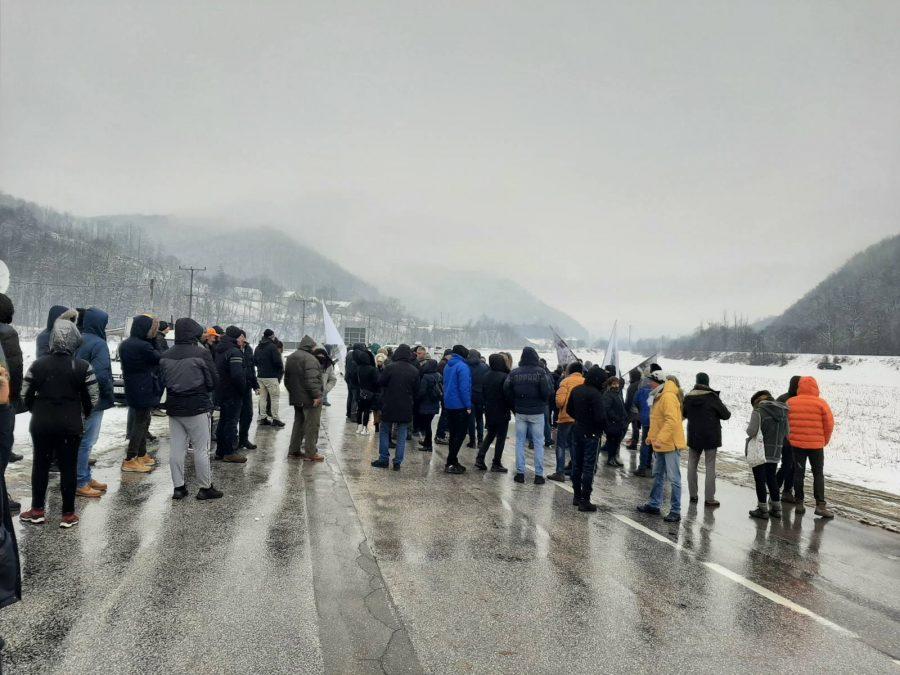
(6, 309)
(268, 332)
(703, 378)
(461, 351)
(219, 330)
(658, 376)
(763, 393)
(233, 332)
(654, 367)
(210, 332)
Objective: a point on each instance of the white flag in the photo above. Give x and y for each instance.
(564, 353)
(333, 337)
(611, 357)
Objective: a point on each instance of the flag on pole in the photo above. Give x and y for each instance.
(611, 357)
(643, 365)
(333, 337)
(564, 353)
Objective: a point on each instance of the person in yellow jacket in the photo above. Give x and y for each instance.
(666, 437)
(564, 422)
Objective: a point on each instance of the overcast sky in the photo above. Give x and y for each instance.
(657, 163)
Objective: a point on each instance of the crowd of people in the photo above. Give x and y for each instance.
(205, 382)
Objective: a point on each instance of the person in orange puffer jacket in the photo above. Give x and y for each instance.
(811, 423)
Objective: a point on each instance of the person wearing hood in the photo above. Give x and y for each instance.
(496, 413)
(769, 418)
(585, 406)
(252, 385)
(303, 377)
(616, 419)
(528, 389)
(704, 412)
(140, 372)
(428, 400)
(634, 415)
(42, 341)
(269, 371)
(231, 383)
(440, 436)
(60, 391)
(811, 426)
(189, 375)
(95, 351)
(367, 388)
(565, 423)
(350, 378)
(457, 404)
(12, 360)
(666, 437)
(476, 420)
(785, 473)
(399, 382)
(643, 401)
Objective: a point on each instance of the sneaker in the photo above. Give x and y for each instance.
(615, 462)
(539, 480)
(314, 458)
(250, 446)
(68, 520)
(800, 508)
(775, 509)
(519, 478)
(209, 493)
(234, 458)
(586, 506)
(180, 492)
(277, 423)
(456, 469)
(558, 477)
(759, 512)
(499, 468)
(381, 464)
(326, 403)
(88, 491)
(34, 516)
(652, 510)
(97, 485)
(441, 441)
(480, 465)
(135, 466)
(426, 448)
(396, 466)
(673, 517)
(359, 429)
(712, 503)
(365, 432)
(15, 457)
(264, 422)
(822, 511)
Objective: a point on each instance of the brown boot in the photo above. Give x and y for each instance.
(135, 466)
(97, 485)
(314, 458)
(88, 491)
(234, 458)
(148, 460)
(822, 510)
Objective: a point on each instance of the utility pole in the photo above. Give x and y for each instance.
(191, 293)
(303, 319)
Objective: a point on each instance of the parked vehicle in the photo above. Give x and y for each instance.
(826, 365)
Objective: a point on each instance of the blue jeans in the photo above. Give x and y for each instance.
(563, 443)
(584, 461)
(530, 425)
(646, 458)
(548, 431)
(88, 441)
(667, 465)
(384, 442)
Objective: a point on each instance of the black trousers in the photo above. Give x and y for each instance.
(227, 429)
(423, 424)
(785, 473)
(817, 465)
(764, 477)
(363, 408)
(458, 422)
(140, 427)
(352, 400)
(584, 461)
(496, 431)
(65, 448)
(611, 446)
(476, 422)
(246, 417)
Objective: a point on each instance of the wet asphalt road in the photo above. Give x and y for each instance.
(342, 568)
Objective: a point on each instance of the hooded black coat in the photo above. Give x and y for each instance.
(430, 391)
(479, 372)
(350, 364)
(366, 372)
(704, 412)
(615, 417)
(496, 405)
(230, 369)
(528, 387)
(9, 341)
(188, 372)
(585, 404)
(792, 390)
(42, 342)
(140, 364)
(399, 382)
(269, 363)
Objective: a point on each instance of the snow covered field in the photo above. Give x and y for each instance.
(864, 395)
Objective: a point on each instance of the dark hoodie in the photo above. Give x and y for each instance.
(399, 382)
(366, 372)
(9, 341)
(95, 351)
(350, 364)
(269, 363)
(528, 387)
(792, 390)
(479, 372)
(230, 370)
(430, 391)
(140, 364)
(496, 406)
(188, 372)
(585, 404)
(42, 342)
(704, 412)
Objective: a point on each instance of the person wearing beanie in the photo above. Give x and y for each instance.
(440, 436)
(305, 382)
(528, 388)
(457, 404)
(496, 414)
(565, 423)
(12, 352)
(666, 437)
(785, 473)
(704, 412)
(654, 367)
(252, 385)
(269, 371)
(228, 356)
(768, 427)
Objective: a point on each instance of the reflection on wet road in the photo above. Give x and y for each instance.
(343, 568)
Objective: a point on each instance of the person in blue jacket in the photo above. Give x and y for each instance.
(140, 365)
(457, 404)
(642, 401)
(95, 351)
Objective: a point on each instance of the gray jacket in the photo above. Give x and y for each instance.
(771, 419)
(303, 375)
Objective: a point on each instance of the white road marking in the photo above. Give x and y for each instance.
(646, 530)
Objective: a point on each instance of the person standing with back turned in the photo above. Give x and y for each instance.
(303, 377)
(704, 412)
(811, 422)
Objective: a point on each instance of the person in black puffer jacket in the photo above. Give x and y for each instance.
(496, 413)
(189, 375)
(634, 416)
(428, 400)
(366, 388)
(476, 419)
(252, 385)
(140, 365)
(616, 420)
(527, 388)
(399, 382)
(42, 342)
(350, 378)
(12, 352)
(704, 412)
(269, 371)
(230, 387)
(586, 407)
